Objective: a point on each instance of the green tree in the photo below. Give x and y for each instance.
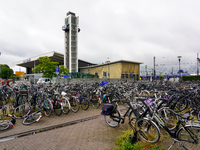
(6, 72)
(47, 67)
(63, 70)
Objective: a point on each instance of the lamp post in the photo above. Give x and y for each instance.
(179, 59)
(108, 61)
(146, 72)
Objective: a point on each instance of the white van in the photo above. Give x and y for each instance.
(44, 80)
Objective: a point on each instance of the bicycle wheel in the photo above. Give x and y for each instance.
(123, 100)
(58, 109)
(169, 117)
(65, 105)
(47, 108)
(32, 118)
(198, 116)
(74, 104)
(4, 125)
(84, 103)
(95, 102)
(21, 111)
(185, 137)
(113, 120)
(21, 100)
(4, 100)
(132, 118)
(180, 105)
(145, 94)
(147, 130)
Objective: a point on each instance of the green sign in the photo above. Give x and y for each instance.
(67, 21)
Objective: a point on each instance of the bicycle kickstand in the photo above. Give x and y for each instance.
(179, 143)
(171, 145)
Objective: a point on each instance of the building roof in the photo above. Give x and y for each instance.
(110, 63)
(53, 56)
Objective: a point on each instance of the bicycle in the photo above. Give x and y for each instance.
(65, 103)
(113, 116)
(148, 130)
(5, 123)
(24, 112)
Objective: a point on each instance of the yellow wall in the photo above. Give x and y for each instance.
(115, 69)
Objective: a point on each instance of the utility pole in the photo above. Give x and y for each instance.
(154, 59)
(197, 64)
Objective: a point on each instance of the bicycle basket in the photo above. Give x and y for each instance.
(108, 109)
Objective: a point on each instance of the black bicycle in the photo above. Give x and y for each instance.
(186, 131)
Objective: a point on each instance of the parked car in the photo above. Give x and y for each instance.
(44, 80)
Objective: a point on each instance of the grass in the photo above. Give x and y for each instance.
(40, 129)
(123, 142)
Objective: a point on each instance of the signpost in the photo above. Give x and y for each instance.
(57, 72)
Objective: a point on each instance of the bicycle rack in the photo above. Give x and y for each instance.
(4, 110)
(133, 138)
(11, 108)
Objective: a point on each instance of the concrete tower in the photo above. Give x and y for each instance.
(71, 39)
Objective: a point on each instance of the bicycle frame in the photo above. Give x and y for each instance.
(122, 117)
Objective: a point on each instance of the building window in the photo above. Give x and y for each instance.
(130, 75)
(96, 73)
(126, 75)
(122, 76)
(104, 74)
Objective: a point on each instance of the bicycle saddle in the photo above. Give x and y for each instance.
(115, 100)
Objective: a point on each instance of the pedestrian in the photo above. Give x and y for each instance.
(7, 82)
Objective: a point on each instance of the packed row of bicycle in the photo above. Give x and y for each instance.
(150, 102)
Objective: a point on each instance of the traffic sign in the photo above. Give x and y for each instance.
(57, 70)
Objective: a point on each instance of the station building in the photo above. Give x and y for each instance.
(116, 69)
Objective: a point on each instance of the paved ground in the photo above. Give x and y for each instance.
(90, 134)
(93, 134)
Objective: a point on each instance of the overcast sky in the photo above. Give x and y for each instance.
(134, 30)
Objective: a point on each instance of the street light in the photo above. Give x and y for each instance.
(179, 59)
(108, 62)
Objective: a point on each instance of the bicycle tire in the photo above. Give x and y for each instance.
(74, 104)
(84, 103)
(113, 120)
(21, 100)
(65, 106)
(123, 100)
(21, 111)
(198, 116)
(4, 125)
(58, 109)
(169, 117)
(145, 94)
(180, 105)
(182, 135)
(147, 130)
(32, 118)
(47, 108)
(95, 102)
(132, 118)
(4, 100)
